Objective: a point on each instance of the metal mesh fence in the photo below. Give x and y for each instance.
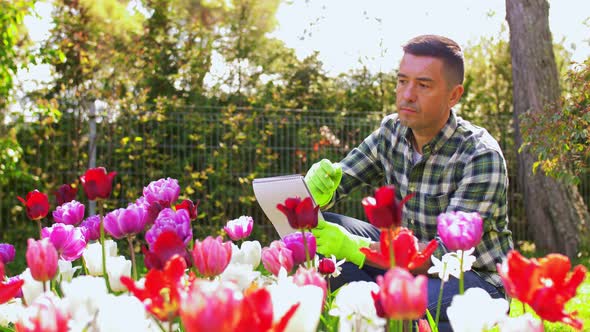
(215, 153)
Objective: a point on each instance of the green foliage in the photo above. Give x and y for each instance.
(559, 136)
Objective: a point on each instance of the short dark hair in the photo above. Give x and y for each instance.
(439, 47)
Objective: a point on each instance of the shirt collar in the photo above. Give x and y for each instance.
(439, 140)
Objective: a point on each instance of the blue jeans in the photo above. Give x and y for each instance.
(351, 272)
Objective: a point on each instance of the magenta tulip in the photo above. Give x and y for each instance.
(7, 253)
(97, 183)
(65, 193)
(125, 221)
(36, 204)
(401, 295)
(70, 213)
(211, 256)
(277, 255)
(294, 242)
(90, 228)
(238, 229)
(300, 213)
(460, 230)
(168, 219)
(42, 259)
(68, 240)
(326, 266)
(162, 192)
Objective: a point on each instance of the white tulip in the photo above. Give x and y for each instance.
(356, 308)
(116, 268)
(241, 274)
(122, 313)
(249, 253)
(475, 310)
(10, 311)
(66, 271)
(32, 288)
(93, 256)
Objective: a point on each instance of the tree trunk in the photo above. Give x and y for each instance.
(554, 211)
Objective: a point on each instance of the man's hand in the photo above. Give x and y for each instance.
(322, 180)
(333, 239)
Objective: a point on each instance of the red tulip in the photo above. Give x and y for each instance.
(97, 183)
(191, 207)
(167, 245)
(42, 259)
(65, 193)
(8, 289)
(300, 213)
(405, 249)
(546, 284)
(401, 296)
(258, 309)
(37, 204)
(326, 266)
(161, 290)
(383, 210)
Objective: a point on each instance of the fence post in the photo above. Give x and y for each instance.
(91, 148)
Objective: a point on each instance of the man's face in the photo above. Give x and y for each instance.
(424, 96)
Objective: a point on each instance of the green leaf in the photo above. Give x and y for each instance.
(431, 321)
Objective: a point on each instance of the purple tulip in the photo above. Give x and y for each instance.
(125, 221)
(70, 213)
(240, 228)
(91, 228)
(67, 239)
(294, 242)
(7, 253)
(460, 230)
(168, 219)
(163, 192)
(152, 210)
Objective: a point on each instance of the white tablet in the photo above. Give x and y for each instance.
(275, 190)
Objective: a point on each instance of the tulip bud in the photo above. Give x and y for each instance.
(42, 259)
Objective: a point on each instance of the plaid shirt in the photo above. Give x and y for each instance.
(461, 169)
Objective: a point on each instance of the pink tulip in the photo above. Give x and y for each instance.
(240, 228)
(45, 314)
(211, 306)
(401, 296)
(277, 255)
(42, 259)
(211, 256)
(460, 230)
(67, 239)
(70, 213)
(305, 276)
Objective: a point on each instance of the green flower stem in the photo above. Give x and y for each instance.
(307, 259)
(39, 226)
(104, 257)
(440, 292)
(132, 253)
(461, 281)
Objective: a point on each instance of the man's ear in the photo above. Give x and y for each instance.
(455, 95)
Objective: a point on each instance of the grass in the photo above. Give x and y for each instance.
(580, 303)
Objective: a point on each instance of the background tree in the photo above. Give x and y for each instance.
(555, 211)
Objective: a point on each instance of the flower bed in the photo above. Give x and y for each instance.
(77, 281)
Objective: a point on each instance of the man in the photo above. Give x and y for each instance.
(425, 149)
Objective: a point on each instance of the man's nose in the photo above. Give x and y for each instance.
(409, 93)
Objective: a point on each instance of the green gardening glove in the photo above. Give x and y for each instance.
(322, 179)
(333, 239)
